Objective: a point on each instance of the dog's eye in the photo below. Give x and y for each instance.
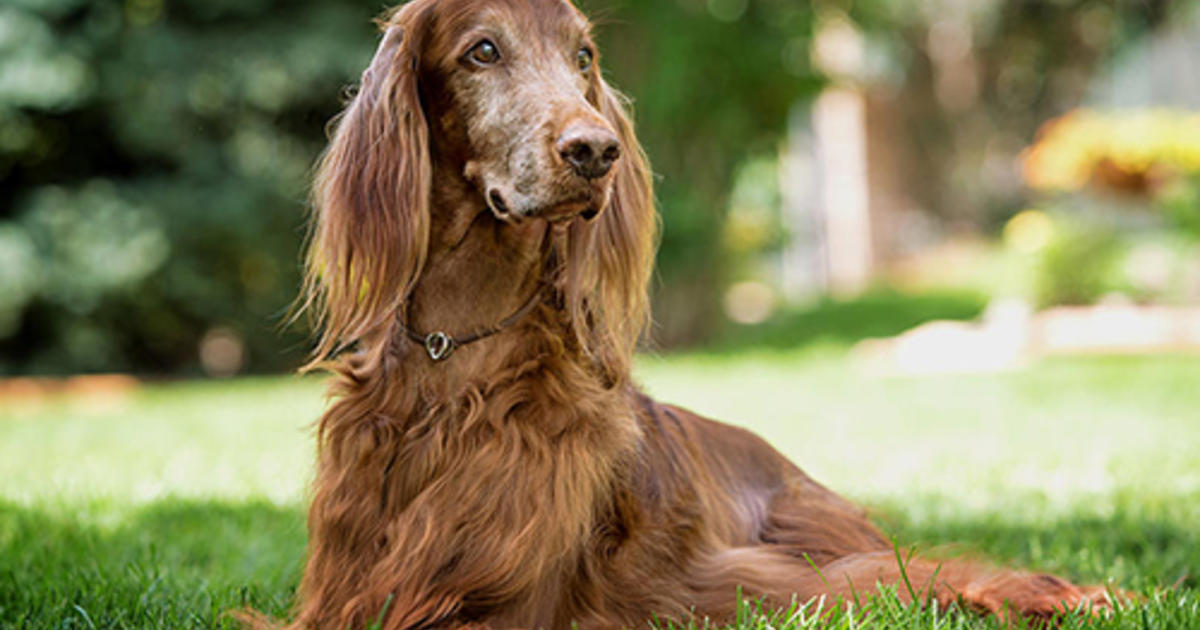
(584, 58)
(485, 53)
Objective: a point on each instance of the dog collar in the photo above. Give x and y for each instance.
(441, 345)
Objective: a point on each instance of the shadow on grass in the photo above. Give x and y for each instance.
(1137, 546)
(169, 564)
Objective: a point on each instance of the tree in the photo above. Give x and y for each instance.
(155, 160)
(712, 83)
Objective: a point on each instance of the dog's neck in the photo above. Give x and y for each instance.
(480, 271)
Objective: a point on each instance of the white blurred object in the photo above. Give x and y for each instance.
(749, 302)
(1149, 266)
(839, 123)
(222, 352)
(1011, 334)
(838, 48)
(1117, 329)
(999, 342)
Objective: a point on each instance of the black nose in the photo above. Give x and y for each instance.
(591, 151)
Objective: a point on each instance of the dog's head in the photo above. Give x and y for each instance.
(502, 101)
(519, 100)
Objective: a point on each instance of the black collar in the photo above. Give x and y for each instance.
(440, 345)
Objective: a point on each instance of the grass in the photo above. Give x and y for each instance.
(168, 507)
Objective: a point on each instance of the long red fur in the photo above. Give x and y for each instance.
(527, 482)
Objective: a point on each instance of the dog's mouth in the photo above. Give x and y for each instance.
(559, 212)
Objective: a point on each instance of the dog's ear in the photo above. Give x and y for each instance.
(615, 254)
(371, 198)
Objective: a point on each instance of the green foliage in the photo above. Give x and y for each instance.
(1080, 265)
(154, 155)
(1181, 205)
(713, 83)
(154, 158)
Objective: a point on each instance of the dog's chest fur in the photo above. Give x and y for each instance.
(510, 493)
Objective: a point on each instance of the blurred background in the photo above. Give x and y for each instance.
(828, 171)
(903, 240)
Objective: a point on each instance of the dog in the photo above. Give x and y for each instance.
(484, 230)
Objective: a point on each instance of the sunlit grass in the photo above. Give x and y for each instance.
(247, 439)
(164, 508)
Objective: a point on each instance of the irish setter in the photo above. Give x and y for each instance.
(483, 238)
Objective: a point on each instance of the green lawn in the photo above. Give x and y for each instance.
(182, 501)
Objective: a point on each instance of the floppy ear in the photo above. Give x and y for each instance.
(612, 257)
(371, 200)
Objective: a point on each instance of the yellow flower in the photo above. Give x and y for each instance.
(1069, 149)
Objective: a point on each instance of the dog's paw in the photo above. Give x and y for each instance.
(1037, 597)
